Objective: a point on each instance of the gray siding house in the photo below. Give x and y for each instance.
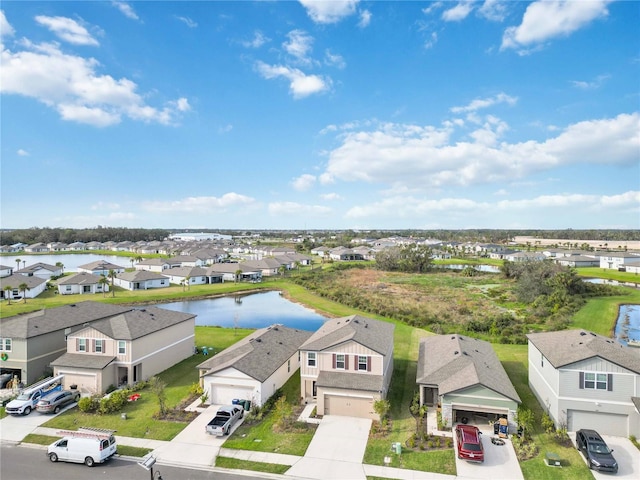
(585, 380)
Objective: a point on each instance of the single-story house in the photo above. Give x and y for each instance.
(576, 261)
(125, 348)
(100, 267)
(347, 365)
(35, 286)
(141, 280)
(253, 368)
(586, 380)
(229, 271)
(82, 283)
(5, 271)
(156, 264)
(42, 270)
(616, 261)
(464, 377)
(186, 275)
(33, 340)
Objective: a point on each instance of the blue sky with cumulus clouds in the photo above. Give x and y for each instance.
(320, 114)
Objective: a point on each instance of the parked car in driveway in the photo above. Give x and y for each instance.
(596, 451)
(225, 418)
(469, 443)
(55, 401)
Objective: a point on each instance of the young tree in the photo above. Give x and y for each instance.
(282, 411)
(60, 265)
(187, 280)
(112, 276)
(525, 419)
(158, 387)
(238, 275)
(7, 293)
(104, 282)
(382, 407)
(23, 287)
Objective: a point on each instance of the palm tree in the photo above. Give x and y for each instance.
(23, 287)
(139, 259)
(187, 280)
(104, 282)
(7, 295)
(18, 264)
(238, 275)
(112, 276)
(60, 265)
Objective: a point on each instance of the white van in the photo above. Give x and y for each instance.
(88, 447)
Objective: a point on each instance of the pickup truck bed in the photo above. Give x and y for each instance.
(226, 418)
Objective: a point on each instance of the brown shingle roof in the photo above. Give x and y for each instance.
(373, 334)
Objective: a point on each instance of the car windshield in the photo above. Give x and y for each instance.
(24, 396)
(472, 447)
(598, 447)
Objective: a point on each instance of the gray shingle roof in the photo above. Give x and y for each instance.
(260, 354)
(349, 381)
(83, 360)
(454, 362)
(569, 346)
(16, 279)
(137, 323)
(82, 278)
(140, 275)
(53, 319)
(373, 334)
(100, 265)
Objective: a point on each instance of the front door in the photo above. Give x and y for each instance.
(315, 389)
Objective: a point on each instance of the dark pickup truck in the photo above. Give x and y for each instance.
(225, 418)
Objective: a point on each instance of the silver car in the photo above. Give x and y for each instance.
(53, 402)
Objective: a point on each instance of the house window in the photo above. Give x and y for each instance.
(311, 359)
(542, 360)
(362, 362)
(82, 344)
(99, 346)
(596, 381)
(68, 288)
(288, 365)
(5, 344)
(122, 347)
(340, 361)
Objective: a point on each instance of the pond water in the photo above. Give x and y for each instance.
(257, 310)
(628, 324)
(480, 268)
(70, 262)
(606, 281)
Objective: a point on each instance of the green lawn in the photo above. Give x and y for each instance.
(226, 462)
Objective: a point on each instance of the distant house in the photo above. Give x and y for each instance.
(347, 365)
(465, 378)
(156, 264)
(5, 271)
(616, 261)
(344, 254)
(36, 248)
(585, 380)
(253, 368)
(525, 257)
(186, 275)
(268, 266)
(33, 340)
(41, 270)
(576, 261)
(81, 283)
(125, 348)
(141, 280)
(100, 267)
(35, 286)
(228, 272)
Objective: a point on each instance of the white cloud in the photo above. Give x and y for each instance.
(6, 30)
(544, 20)
(200, 204)
(304, 182)
(592, 85)
(331, 196)
(279, 209)
(433, 6)
(433, 39)
(23, 153)
(298, 45)
(365, 19)
(481, 103)
(494, 10)
(71, 85)
(411, 207)
(329, 11)
(334, 59)
(257, 41)
(67, 29)
(300, 84)
(126, 9)
(425, 157)
(457, 13)
(187, 21)
(225, 128)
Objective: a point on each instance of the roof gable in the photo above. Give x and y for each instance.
(370, 333)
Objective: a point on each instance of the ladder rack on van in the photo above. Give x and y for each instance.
(86, 432)
(43, 384)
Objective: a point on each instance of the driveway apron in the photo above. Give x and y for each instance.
(625, 453)
(336, 450)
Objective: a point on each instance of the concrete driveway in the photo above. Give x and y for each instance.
(500, 461)
(625, 453)
(336, 451)
(193, 446)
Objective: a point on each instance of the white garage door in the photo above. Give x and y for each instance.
(223, 394)
(603, 423)
(349, 406)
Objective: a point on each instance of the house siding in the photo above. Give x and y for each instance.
(544, 381)
(622, 388)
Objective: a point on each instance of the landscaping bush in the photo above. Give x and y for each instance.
(88, 404)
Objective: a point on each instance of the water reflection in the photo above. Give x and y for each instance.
(70, 262)
(257, 310)
(627, 329)
(480, 268)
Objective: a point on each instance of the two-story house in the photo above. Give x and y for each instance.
(346, 365)
(585, 380)
(33, 340)
(125, 348)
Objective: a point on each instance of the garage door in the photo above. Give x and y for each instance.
(223, 394)
(349, 406)
(603, 423)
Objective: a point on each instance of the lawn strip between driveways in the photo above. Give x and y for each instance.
(226, 462)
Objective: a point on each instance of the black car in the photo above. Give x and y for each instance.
(596, 451)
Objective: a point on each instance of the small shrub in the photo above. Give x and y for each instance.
(196, 389)
(88, 404)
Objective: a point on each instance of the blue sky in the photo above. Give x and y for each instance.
(320, 115)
